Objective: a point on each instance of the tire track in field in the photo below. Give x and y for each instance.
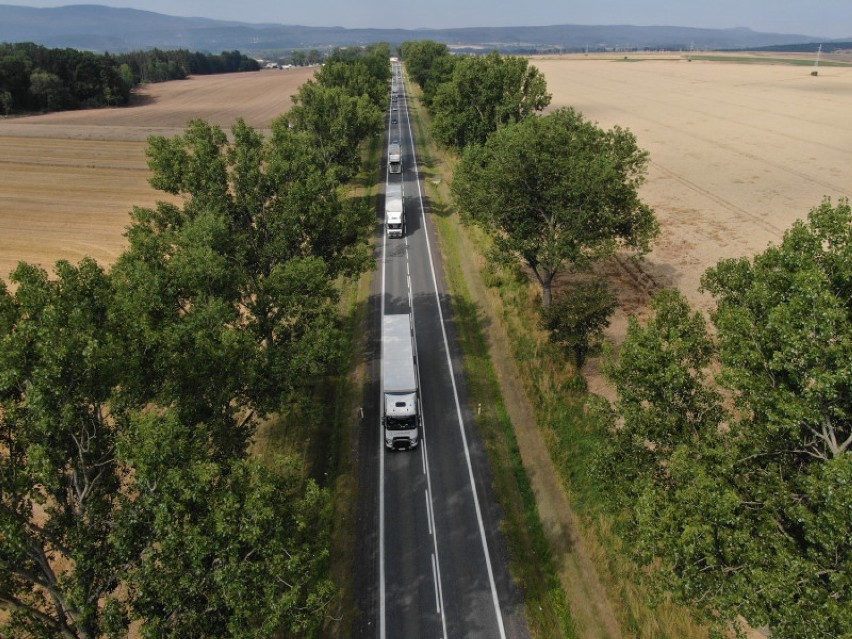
(718, 199)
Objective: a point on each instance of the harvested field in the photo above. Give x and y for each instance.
(68, 180)
(738, 152)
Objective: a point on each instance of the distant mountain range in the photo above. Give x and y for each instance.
(101, 28)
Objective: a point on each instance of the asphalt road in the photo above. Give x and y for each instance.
(430, 561)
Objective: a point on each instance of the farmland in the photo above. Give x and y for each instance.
(68, 180)
(738, 152)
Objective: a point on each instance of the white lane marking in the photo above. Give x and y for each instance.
(494, 598)
(382, 462)
(436, 566)
(428, 511)
(382, 609)
(435, 576)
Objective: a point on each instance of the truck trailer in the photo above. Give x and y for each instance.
(394, 158)
(394, 210)
(400, 392)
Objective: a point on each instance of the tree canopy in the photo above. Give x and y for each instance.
(109, 515)
(557, 192)
(128, 400)
(338, 122)
(483, 94)
(244, 271)
(429, 64)
(420, 56)
(733, 454)
(359, 71)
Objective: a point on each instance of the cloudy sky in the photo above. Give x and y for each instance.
(826, 18)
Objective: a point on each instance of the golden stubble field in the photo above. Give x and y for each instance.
(69, 180)
(738, 152)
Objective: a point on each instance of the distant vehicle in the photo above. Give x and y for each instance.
(394, 211)
(400, 393)
(394, 158)
(394, 120)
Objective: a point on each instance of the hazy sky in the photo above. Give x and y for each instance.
(828, 18)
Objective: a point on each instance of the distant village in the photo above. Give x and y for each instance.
(311, 58)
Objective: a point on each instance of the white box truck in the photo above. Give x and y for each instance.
(394, 211)
(400, 394)
(394, 158)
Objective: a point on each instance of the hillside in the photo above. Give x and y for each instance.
(101, 28)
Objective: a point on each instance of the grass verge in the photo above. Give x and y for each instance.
(573, 440)
(326, 437)
(531, 563)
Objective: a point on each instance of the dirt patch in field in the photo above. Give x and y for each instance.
(69, 180)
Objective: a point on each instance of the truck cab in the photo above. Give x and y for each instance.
(401, 421)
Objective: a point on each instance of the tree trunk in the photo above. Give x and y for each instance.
(545, 278)
(546, 294)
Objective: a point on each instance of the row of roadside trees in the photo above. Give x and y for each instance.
(129, 398)
(725, 461)
(556, 192)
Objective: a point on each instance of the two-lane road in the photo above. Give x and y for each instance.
(435, 565)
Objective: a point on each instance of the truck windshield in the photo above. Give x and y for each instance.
(405, 423)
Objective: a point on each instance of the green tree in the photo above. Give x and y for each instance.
(420, 56)
(557, 192)
(440, 72)
(6, 102)
(128, 81)
(59, 476)
(358, 75)
(748, 502)
(664, 397)
(219, 547)
(577, 319)
(314, 56)
(229, 302)
(15, 70)
(107, 516)
(338, 123)
(483, 94)
(49, 90)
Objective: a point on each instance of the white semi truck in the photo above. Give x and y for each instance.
(394, 158)
(400, 393)
(394, 210)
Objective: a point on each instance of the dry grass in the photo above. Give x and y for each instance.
(69, 180)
